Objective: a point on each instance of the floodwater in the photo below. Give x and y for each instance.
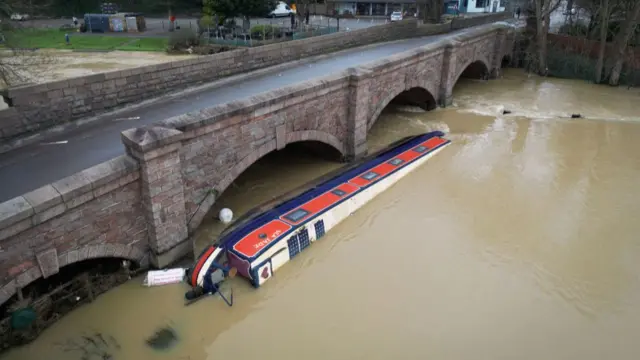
(518, 241)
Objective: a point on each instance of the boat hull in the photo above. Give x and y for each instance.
(259, 245)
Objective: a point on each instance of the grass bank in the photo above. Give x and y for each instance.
(55, 39)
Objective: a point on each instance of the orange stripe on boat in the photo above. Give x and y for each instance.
(322, 202)
(200, 264)
(255, 241)
(434, 142)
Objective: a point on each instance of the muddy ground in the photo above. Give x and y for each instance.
(51, 65)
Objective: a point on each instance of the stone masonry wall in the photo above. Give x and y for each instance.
(39, 107)
(214, 157)
(143, 206)
(94, 213)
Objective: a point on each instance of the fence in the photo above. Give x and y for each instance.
(315, 31)
(264, 34)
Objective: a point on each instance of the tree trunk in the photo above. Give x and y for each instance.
(604, 23)
(621, 41)
(541, 37)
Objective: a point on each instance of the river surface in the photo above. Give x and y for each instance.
(518, 241)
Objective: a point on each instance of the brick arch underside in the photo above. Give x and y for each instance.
(484, 61)
(421, 84)
(88, 252)
(257, 154)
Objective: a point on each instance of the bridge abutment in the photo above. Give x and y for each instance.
(448, 74)
(162, 190)
(357, 114)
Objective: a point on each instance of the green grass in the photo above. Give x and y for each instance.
(54, 39)
(145, 44)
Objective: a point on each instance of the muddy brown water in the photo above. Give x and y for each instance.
(521, 240)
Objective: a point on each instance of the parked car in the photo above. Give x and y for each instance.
(396, 16)
(282, 9)
(20, 17)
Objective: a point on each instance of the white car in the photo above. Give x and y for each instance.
(19, 17)
(282, 9)
(396, 16)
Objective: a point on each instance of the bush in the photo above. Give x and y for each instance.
(265, 32)
(574, 30)
(182, 39)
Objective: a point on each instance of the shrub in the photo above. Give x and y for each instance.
(574, 30)
(265, 31)
(182, 39)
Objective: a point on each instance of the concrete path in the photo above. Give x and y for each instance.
(31, 167)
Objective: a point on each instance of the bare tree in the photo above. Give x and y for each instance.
(543, 10)
(604, 25)
(622, 40)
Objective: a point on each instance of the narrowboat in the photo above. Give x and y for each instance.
(267, 237)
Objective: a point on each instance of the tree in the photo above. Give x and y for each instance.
(241, 8)
(622, 40)
(543, 10)
(604, 24)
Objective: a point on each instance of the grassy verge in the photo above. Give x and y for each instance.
(55, 39)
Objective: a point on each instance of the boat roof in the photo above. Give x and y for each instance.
(251, 239)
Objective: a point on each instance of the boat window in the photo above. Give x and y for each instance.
(396, 162)
(338, 192)
(420, 149)
(370, 175)
(296, 215)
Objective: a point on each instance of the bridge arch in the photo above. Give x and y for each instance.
(415, 96)
(302, 136)
(474, 69)
(78, 255)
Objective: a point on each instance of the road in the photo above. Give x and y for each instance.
(31, 167)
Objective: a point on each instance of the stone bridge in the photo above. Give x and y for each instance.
(144, 205)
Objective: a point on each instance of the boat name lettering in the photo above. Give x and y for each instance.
(263, 243)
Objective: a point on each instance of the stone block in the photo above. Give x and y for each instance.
(109, 171)
(48, 262)
(28, 276)
(147, 138)
(49, 213)
(162, 260)
(73, 186)
(7, 291)
(79, 200)
(14, 210)
(43, 198)
(14, 229)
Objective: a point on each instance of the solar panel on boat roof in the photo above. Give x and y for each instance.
(296, 215)
(370, 175)
(420, 148)
(396, 161)
(338, 192)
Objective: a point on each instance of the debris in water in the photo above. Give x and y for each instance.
(163, 339)
(90, 347)
(164, 277)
